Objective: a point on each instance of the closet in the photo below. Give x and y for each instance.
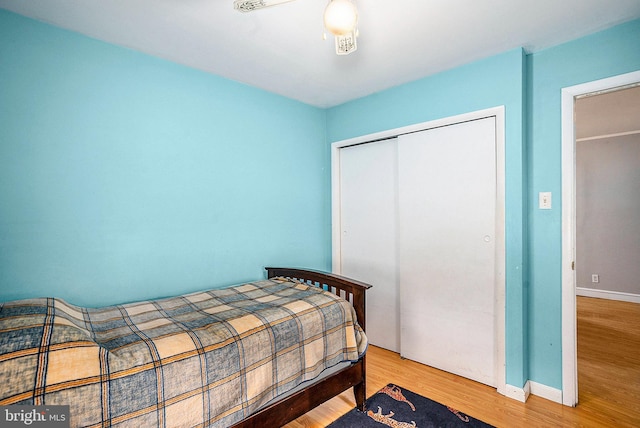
(419, 217)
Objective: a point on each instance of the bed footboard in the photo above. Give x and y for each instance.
(297, 404)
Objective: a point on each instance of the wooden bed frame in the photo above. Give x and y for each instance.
(299, 403)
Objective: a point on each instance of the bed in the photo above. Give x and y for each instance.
(259, 354)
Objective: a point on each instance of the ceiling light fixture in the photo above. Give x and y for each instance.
(340, 19)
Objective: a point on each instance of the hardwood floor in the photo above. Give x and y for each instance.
(608, 379)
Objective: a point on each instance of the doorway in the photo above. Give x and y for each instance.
(608, 194)
(569, 216)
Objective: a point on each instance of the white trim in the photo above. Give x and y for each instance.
(617, 134)
(391, 133)
(520, 394)
(534, 388)
(499, 114)
(569, 341)
(546, 392)
(607, 294)
(500, 259)
(336, 236)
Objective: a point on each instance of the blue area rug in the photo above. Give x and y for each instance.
(400, 408)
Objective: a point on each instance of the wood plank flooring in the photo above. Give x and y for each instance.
(608, 379)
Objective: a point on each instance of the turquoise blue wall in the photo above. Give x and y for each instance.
(598, 56)
(530, 88)
(497, 81)
(123, 176)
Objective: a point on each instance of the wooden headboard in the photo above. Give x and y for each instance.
(347, 288)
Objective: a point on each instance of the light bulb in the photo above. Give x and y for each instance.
(340, 17)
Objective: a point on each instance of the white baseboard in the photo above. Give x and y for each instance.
(546, 392)
(611, 295)
(533, 388)
(520, 394)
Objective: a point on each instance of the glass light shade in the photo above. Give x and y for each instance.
(340, 17)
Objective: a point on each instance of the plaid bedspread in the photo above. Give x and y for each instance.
(203, 359)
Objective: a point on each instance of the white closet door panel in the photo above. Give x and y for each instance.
(447, 197)
(368, 233)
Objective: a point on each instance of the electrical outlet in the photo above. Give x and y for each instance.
(595, 277)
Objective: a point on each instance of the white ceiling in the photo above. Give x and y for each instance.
(281, 50)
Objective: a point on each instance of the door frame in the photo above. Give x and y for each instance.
(568, 162)
(500, 283)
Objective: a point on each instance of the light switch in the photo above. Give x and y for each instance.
(544, 200)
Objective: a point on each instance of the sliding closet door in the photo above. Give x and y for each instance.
(368, 179)
(446, 247)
